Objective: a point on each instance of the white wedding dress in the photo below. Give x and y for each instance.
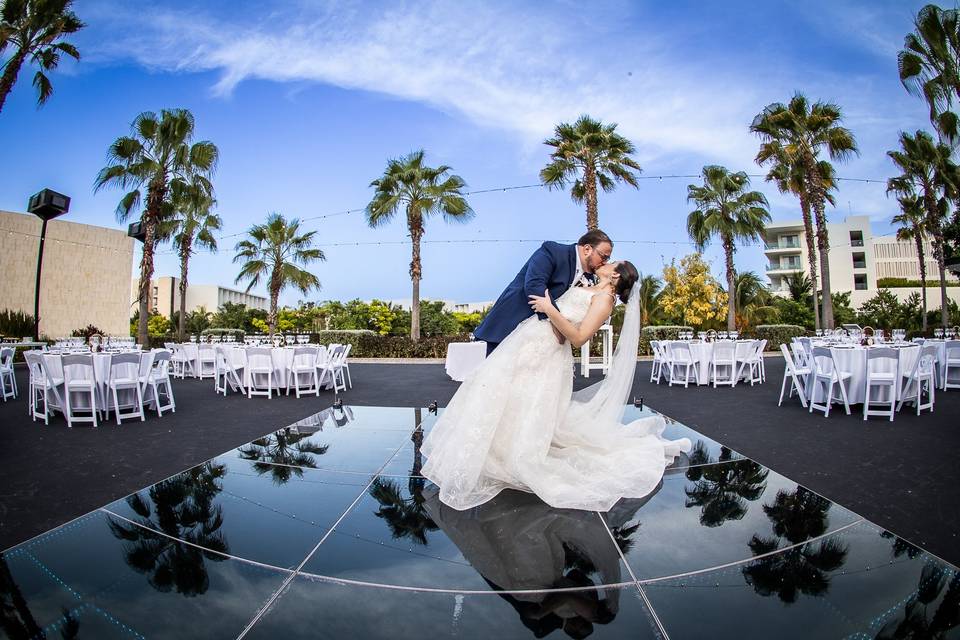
(515, 423)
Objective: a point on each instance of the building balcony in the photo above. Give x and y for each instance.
(783, 269)
(781, 250)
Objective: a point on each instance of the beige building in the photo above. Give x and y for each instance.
(85, 274)
(165, 296)
(857, 260)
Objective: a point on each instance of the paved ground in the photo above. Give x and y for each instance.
(903, 476)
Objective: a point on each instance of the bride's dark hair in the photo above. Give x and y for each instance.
(628, 277)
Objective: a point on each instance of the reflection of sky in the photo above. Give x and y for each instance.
(307, 103)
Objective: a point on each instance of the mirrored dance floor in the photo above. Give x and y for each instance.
(326, 529)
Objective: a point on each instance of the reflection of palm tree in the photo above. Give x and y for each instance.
(796, 516)
(282, 454)
(720, 489)
(901, 546)
(183, 508)
(16, 620)
(406, 516)
(799, 570)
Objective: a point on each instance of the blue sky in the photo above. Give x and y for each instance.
(307, 101)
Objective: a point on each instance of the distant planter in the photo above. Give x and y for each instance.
(663, 332)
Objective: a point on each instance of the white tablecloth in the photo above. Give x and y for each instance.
(282, 359)
(702, 353)
(463, 358)
(853, 360)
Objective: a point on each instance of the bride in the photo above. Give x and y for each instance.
(515, 423)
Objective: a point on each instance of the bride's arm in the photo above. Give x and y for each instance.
(597, 314)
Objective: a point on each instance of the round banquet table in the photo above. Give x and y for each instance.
(702, 354)
(463, 358)
(280, 357)
(853, 360)
(101, 373)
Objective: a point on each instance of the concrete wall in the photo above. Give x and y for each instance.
(86, 273)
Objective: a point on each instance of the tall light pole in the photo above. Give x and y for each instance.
(46, 205)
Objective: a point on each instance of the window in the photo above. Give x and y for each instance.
(790, 242)
(859, 260)
(860, 282)
(856, 238)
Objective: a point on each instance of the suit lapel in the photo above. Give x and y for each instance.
(572, 265)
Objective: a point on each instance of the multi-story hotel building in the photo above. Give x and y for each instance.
(857, 260)
(165, 296)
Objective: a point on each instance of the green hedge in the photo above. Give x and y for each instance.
(776, 334)
(664, 332)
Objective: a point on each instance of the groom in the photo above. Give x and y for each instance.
(554, 267)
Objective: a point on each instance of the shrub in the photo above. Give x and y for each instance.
(665, 332)
(16, 324)
(86, 332)
(237, 334)
(777, 334)
(368, 344)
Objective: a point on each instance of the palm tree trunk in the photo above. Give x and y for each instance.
(146, 274)
(416, 271)
(923, 280)
(811, 254)
(728, 250)
(817, 198)
(590, 187)
(184, 258)
(10, 72)
(933, 222)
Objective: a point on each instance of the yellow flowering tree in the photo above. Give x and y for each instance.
(691, 295)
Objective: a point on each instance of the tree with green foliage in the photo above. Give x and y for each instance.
(161, 157)
(913, 224)
(797, 133)
(726, 209)
(754, 302)
(274, 251)
(34, 31)
(420, 190)
(589, 153)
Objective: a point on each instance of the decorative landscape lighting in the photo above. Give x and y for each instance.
(432, 408)
(638, 403)
(46, 205)
(338, 403)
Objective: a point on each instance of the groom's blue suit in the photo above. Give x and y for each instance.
(551, 267)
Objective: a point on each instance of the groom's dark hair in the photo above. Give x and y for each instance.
(594, 237)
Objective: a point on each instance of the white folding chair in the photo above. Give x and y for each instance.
(951, 359)
(680, 356)
(79, 377)
(924, 371)
(226, 374)
(181, 362)
(42, 386)
(206, 361)
(158, 379)
(724, 355)
(888, 378)
(799, 355)
(334, 366)
(125, 376)
(345, 364)
(303, 363)
(796, 374)
(8, 380)
(656, 369)
(825, 372)
(754, 361)
(259, 367)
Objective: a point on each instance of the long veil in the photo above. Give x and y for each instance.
(606, 400)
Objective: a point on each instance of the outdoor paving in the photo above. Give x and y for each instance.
(325, 528)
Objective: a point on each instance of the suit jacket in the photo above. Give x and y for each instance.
(551, 267)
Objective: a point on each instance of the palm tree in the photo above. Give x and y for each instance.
(33, 29)
(272, 251)
(928, 170)
(798, 132)
(193, 226)
(283, 454)
(799, 285)
(788, 174)
(726, 209)
(421, 191)
(913, 224)
(589, 152)
(158, 156)
(929, 65)
(753, 299)
(721, 489)
(649, 297)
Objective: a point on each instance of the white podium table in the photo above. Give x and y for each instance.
(606, 355)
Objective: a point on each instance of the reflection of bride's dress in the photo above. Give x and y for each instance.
(519, 543)
(512, 424)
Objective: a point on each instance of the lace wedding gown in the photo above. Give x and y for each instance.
(515, 423)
